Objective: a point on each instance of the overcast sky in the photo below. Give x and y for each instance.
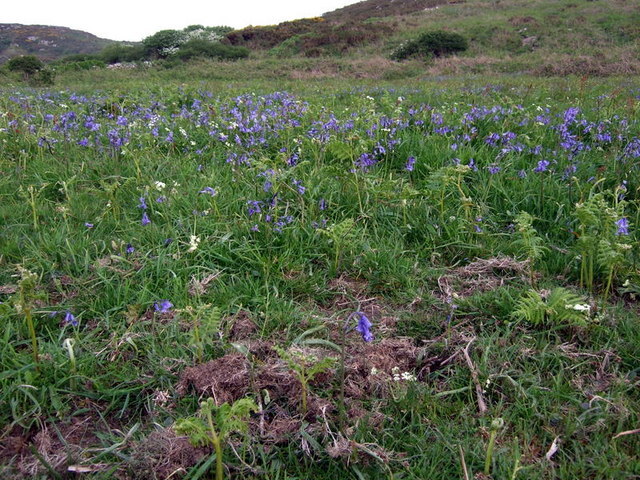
(133, 20)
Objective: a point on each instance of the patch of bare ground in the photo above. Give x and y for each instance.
(481, 275)
(63, 447)
(163, 455)
(591, 65)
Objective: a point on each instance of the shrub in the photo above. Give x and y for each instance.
(437, 44)
(206, 49)
(119, 53)
(163, 43)
(27, 64)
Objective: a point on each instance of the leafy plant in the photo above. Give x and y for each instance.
(214, 424)
(560, 307)
(601, 228)
(205, 321)
(529, 243)
(305, 368)
(342, 235)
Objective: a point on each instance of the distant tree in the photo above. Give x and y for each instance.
(163, 43)
(27, 64)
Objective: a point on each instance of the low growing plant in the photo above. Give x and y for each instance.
(559, 307)
(214, 424)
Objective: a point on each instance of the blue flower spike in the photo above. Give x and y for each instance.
(364, 327)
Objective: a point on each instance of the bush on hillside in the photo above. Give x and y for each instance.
(431, 44)
(200, 48)
(33, 70)
(122, 53)
(27, 64)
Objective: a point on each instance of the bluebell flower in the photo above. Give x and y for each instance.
(623, 226)
(493, 169)
(364, 327)
(410, 163)
(209, 191)
(88, 225)
(143, 203)
(130, 249)
(70, 319)
(322, 204)
(145, 219)
(542, 166)
(163, 306)
(298, 184)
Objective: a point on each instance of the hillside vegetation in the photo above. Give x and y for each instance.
(46, 42)
(541, 36)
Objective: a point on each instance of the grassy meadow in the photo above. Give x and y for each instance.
(319, 279)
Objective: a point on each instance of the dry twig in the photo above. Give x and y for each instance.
(482, 405)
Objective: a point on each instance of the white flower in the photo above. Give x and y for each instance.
(579, 307)
(160, 186)
(193, 243)
(408, 377)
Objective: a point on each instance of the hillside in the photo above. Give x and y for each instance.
(381, 8)
(46, 42)
(540, 37)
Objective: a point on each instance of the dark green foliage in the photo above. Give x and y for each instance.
(200, 48)
(43, 78)
(162, 43)
(437, 44)
(27, 64)
(119, 52)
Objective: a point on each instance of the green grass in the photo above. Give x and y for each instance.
(406, 248)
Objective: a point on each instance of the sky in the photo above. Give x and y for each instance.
(132, 20)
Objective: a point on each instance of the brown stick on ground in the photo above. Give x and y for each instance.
(482, 406)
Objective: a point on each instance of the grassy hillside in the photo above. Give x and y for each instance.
(542, 37)
(46, 42)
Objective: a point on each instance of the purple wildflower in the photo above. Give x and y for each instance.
(298, 184)
(623, 226)
(410, 163)
(70, 319)
(543, 165)
(493, 169)
(322, 204)
(88, 225)
(209, 191)
(130, 249)
(145, 219)
(163, 306)
(143, 203)
(364, 327)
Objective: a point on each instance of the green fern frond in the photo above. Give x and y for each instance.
(561, 307)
